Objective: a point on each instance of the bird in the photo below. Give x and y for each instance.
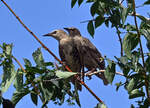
(90, 57)
(68, 53)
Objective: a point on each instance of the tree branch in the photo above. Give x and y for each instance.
(120, 40)
(51, 52)
(142, 53)
(101, 71)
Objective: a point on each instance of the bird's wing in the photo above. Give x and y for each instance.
(93, 52)
(61, 53)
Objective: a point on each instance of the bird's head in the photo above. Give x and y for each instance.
(57, 34)
(73, 31)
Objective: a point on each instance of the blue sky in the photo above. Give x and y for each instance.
(43, 17)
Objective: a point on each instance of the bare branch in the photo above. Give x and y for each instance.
(101, 71)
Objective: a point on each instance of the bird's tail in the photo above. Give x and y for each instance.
(102, 76)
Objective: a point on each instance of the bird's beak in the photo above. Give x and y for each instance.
(66, 28)
(48, 34)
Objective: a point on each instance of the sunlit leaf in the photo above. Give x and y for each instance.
(8, 76)
(136, 93)
(130, 85)
(146, 33)
(124, 13)
(18, 84)
(38, 58)
(130, 41)
(7, 48)
(99, 105)
(64, 75)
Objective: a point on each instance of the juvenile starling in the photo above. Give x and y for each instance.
(89, 55)
(68, 52)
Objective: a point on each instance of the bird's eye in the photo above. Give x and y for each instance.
(54, 32)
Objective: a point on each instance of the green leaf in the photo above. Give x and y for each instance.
(130, 41)
(7, 48)
(47, 91)
(34, 97)
(64, 75)
(107, 22)
(99, 21)
(89, 1)
(147, 62)
(147, 2)
(38, 58)
(132, 106)
(77, 96)
(124, 13)
(27, 63)
(130, 27)
(110, 71)
(130, 85)
(136, 93)
(80, 2)
(94, 8)
(146, 20)
(146, 33)
(18, 95)
(99, 105)
(90, 28)
(73, 2)
(118, 85)
(8, 76)
(18, 84)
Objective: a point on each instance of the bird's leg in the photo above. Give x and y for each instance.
(82, 73)
(82, 66)
(89, 72)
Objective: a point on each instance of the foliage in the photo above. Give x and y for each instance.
(39, 80)
(134, 61)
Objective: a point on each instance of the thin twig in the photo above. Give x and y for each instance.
(142, 53)
(120, 40)
(32, 83)
(51, 52)
(101, 71)
(87, 21)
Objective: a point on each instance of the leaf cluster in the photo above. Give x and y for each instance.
(40, 81)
